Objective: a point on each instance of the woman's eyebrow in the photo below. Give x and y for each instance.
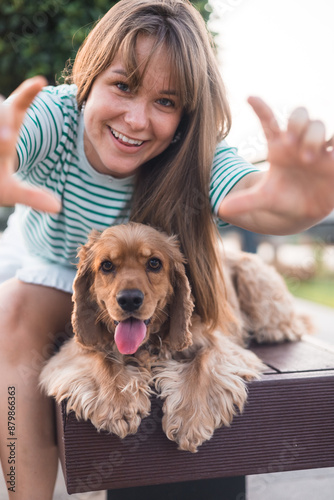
(120, 72)
(169, 92)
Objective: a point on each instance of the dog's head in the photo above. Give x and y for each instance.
(131, 280)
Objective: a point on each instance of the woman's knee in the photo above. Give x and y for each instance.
(31, 318)
(12, 306)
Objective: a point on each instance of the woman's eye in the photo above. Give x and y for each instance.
(124, 87)
(154, 264)
(167, 103)
(107, 266)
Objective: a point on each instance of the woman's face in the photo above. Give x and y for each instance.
(125, 128)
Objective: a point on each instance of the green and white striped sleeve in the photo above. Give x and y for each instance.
(227, 169)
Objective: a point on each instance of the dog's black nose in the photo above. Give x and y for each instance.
(130, 300)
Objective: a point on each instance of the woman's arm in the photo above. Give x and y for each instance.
(298, 189)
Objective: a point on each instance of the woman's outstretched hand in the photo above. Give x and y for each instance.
(12, 114)
(298, 189)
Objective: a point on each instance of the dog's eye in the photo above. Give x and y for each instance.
(107, 266)
(154, 264)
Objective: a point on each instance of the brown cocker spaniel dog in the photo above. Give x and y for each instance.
(135, 330)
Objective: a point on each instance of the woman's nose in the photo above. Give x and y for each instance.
(137, 114)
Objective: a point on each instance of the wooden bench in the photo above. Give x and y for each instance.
(288, 424)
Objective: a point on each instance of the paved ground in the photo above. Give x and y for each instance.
(302, 485)
(315, 484)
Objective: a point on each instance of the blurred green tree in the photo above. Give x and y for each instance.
(38, 37)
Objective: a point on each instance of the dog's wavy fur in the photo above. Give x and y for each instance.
(201, 375)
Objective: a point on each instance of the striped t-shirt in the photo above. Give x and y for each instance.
(51, 154)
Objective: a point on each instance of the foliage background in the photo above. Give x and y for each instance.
(39, 36)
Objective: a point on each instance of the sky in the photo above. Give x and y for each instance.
(280, 50)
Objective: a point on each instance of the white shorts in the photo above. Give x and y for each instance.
(16, 262)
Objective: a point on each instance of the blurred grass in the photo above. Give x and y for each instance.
(318, 289)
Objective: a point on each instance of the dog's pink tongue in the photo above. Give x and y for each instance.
(129, 334)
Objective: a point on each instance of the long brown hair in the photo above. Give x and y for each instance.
(171, 191)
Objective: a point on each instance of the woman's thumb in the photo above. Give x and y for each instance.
(39, 199)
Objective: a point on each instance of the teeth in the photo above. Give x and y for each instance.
(125, 139)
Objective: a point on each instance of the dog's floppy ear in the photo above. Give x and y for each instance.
(88, 330)
(181, 309)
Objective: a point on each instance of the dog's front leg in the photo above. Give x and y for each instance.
(205, 392)
(113, 394)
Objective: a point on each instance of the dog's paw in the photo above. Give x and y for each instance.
(123, 399)
(188, 437)
(193, 417)
(115, 397)
(292, 330)
(122, 412)
(204, 394)
(247, 365)
(111, 410)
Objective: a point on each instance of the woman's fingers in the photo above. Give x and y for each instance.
(310, 134)
(8, 134)
(36, 198)
(13, 191)
(266, 117)
(25, 93)
(12, 112)
(22, 97)
(313, 140)
(298, 122)
(306, 136)
(329, 145)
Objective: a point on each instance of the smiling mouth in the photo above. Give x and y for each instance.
(125, 140)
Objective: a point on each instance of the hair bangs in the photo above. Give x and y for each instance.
(128, 50)
(180, 74)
